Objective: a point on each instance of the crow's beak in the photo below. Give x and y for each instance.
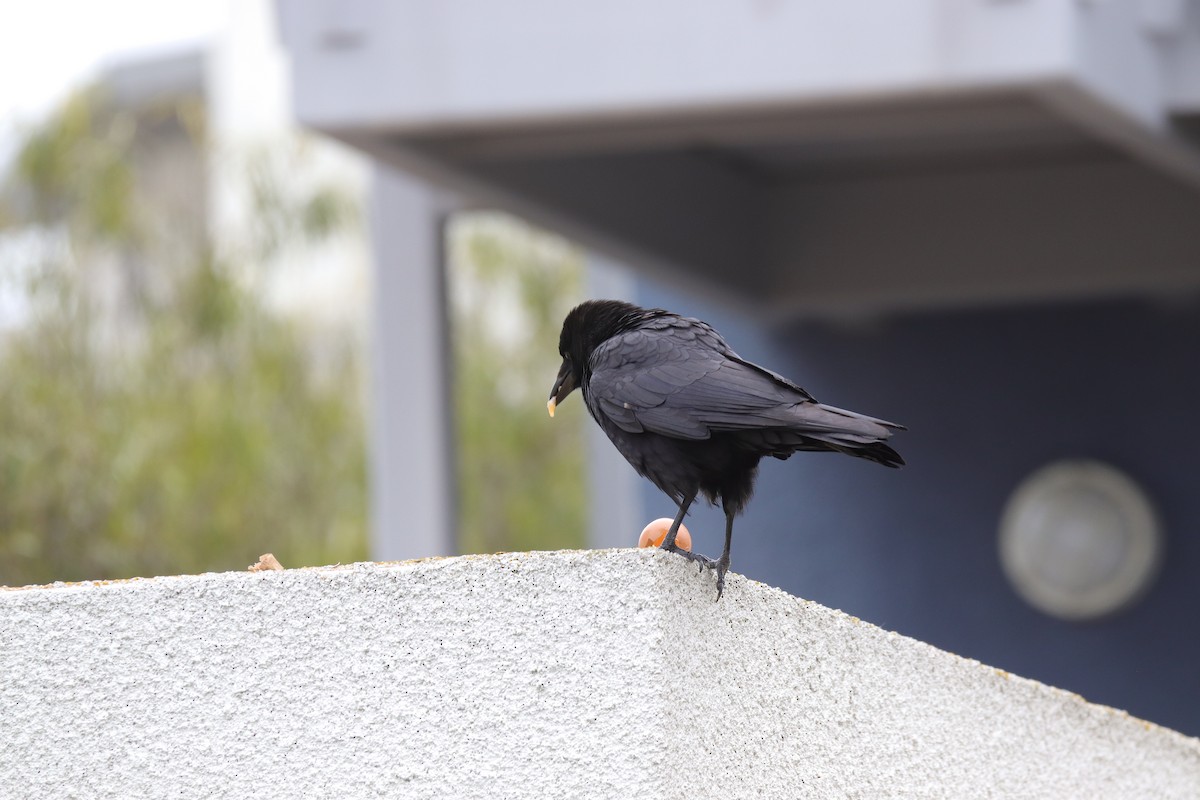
(563, 386)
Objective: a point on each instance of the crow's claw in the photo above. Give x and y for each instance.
(721, 566)
(718, 565)
(703, 561)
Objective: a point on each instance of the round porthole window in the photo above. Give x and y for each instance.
(1079, 539)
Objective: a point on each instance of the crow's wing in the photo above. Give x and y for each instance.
(680, 379)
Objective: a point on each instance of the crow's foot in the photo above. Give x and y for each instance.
(718, 565)
(721, 566)
(695, 558)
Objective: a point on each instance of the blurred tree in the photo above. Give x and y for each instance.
(155, 416)
(520, 475)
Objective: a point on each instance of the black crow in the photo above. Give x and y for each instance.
(690, 414)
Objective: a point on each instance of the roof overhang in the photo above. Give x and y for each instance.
(803, 157)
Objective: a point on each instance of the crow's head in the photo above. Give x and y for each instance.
(586, 327)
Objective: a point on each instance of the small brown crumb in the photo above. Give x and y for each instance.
(265, 562)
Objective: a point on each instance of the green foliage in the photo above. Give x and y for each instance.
(156, 417)
(73, 170)
(282, 216)
(179, 426)
(520, 474)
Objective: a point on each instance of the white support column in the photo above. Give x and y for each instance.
(412, 483)
(615, 509)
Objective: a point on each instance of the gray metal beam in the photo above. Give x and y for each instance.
(412, 485)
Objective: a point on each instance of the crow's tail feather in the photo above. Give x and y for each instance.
(851, 433)
(878, 452)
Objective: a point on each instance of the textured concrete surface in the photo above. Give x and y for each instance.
(575, 674)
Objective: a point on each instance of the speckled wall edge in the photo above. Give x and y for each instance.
(572, 674)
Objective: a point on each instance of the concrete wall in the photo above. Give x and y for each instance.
(572, 674)
(989, 396)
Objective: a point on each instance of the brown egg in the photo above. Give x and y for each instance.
(654, 533)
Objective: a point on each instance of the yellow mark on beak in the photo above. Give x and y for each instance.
(550, 404)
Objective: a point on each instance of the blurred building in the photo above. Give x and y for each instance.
(204, 121)
(253, 127)
(977, 218)
(149, 109)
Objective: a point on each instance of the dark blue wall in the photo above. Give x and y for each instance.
(988, 396)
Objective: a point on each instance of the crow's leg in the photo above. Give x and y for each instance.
(669, 541)
(722, 563)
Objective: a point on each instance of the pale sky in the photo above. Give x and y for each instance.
(49, 46)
